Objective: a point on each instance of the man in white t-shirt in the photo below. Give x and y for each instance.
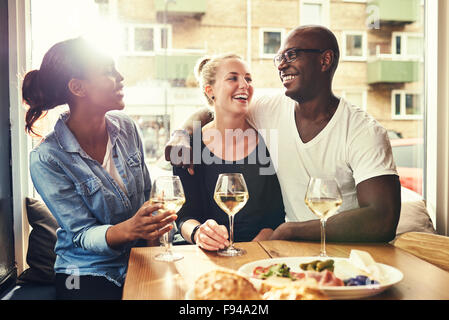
(319, 134)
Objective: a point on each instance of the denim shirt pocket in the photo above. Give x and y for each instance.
(136, 180)
(88, 187)
(93, 199)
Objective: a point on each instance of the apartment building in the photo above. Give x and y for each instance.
(381, 43)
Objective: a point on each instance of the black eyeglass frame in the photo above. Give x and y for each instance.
(284, 57)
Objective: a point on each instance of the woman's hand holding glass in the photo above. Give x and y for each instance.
(212, 236)
(143, 225)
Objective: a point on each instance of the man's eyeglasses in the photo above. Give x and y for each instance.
(291, 54)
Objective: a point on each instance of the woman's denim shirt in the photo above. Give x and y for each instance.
(84, 198)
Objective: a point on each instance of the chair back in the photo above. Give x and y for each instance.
(432, 248)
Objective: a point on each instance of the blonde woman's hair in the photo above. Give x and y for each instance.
(206, 70)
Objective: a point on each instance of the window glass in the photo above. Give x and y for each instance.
(157, 60)
(356, 98)
(408, 156)
(271, 42)
(397, 104)
(398, 44)
(354, 46)
(311, 13)
(414, 46)
(412, 104)
(125, 39)
(143, 39)
(164, 38)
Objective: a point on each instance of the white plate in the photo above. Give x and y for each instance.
(190, 295)
(391, 276)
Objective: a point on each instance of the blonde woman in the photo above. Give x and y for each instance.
(228, 144)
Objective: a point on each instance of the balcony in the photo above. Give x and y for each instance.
(179, 67)
(392, 71)
(180, 8)
(396, 11)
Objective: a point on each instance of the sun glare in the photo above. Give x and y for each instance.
(71, 19)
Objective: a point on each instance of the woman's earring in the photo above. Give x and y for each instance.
(213, 97)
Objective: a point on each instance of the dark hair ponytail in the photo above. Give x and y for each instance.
(47, 88)
(33, 96)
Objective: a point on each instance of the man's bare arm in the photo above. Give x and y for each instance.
(375, 221)
(203, 115)
(179, 142)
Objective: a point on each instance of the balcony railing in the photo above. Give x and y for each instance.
(179, 66)
(396, 11)
(385, 70)
(195, 8)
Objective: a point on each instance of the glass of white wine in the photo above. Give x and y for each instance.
(231, 195)
(323, 197)
(168, 191)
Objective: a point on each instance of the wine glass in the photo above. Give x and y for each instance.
(168, 191)
(323, 197)
(231, 195)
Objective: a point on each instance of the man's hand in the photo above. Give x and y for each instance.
(179, 152)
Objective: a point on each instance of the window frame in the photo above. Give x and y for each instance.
(325, 6)
(262, 31)
(436, 113)
(364, 56)
(404, 41)
(364, 93)
(129, 28)
(403, 115)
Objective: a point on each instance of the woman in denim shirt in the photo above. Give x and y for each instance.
(90, 171)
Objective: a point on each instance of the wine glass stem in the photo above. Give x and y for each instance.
(323, 238)
(167, 242)
(168, 245)
(231, 231)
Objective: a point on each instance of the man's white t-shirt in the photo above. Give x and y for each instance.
(353, 147)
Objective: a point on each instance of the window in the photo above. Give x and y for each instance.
(407, 45)
(270, 42)
(354, 46)
(7, 248)
(406, 105)
(103, 7)
(154, 134)
(314, 12)
(145, 39)
(355, 97)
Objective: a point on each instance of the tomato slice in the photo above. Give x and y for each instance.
(258, 271)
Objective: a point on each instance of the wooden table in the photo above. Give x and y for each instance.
(148, 279)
